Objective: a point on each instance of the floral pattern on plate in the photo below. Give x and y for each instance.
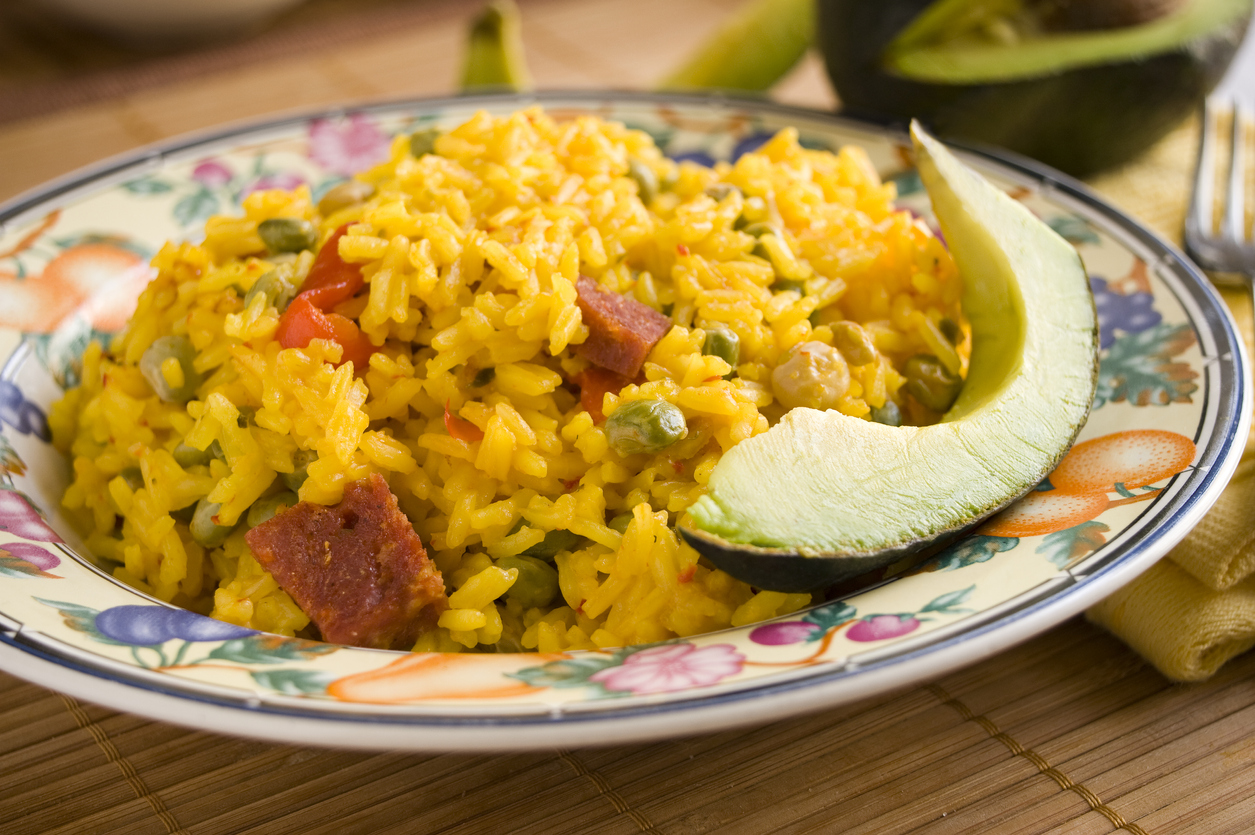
(1170, 398)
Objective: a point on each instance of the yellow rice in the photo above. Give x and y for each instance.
(471, 255)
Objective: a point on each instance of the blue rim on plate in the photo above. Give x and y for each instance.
(1006, 595)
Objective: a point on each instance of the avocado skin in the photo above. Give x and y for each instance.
(1080, 121)
(790, 571)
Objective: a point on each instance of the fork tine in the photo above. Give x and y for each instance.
(1235, 199)
(1199, 219)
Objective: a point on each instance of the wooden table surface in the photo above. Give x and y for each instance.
(1069, 733)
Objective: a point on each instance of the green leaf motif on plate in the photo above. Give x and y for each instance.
(1138, 368)
(828, 616)
(294, 682)
(268, 649)
(1065, 547)
(147, 185)
(195, 208)
(908, 183)
(574, 671)
(948, 603)
(81, 619)
(974, 549)
(1075, 230)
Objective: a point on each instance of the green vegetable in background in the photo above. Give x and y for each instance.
(204, 525)
(752, 50)
(494, 51)
(287, 234)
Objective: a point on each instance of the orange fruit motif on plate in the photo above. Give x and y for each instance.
(1134, 458)
(424, 676)
(101, 279)
(1091, 470)
(1044, 512)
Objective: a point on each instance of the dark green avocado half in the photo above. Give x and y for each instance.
(821, 496)
(994, 73)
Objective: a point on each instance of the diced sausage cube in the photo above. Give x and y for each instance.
(357, 569)
(621, 331)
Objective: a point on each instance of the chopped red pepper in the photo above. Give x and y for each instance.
(303, 322)
(331, 279)
(460, 427)
(686, 576)
(681, 249)
(594, 383)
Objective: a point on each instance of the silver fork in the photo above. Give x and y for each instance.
(1229, 253)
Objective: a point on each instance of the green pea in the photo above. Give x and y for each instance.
(186, 455)
(287, 234)
(723, 343)
(247, 417)
(348, 193)
(888, 414)
(133, 477)
(554, 542)
(785, 285)
(277, 290)
(537, 583)
(483, 377)
(162, 349)
(263, 510)
(215, 449)
(620, 523)
(301, 459)
(854, 343)
(721, 191)
(205, 529)
(950, 330)
(760, 229)
(424, 142)
(646, 180)
(931, 383)
(645, 426)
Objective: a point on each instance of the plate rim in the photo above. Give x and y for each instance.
(696, 713)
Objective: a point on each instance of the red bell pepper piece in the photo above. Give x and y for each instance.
(331, 279)
(303, 322)
(461, 428)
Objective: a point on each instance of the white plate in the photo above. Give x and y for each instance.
(1173, 402)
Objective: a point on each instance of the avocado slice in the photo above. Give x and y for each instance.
(998, 72)
(948, 44)
(822, 496)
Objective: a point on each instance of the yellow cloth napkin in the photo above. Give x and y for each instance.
(1195, 609)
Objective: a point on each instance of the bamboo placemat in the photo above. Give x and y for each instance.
(1069, 733)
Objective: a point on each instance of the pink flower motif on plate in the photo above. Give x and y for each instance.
(347, 147)
(281, 180)
(212, 173)
(672, 667)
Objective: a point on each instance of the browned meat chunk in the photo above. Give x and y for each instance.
(357, 569)
(620, 330)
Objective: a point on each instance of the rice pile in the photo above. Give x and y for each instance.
(471, 256)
